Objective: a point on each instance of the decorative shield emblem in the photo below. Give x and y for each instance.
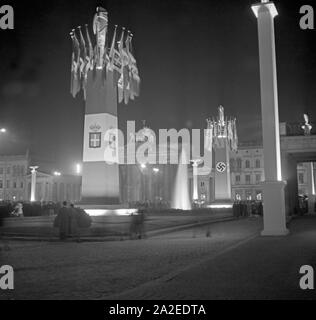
(220, 167)
(95, 140)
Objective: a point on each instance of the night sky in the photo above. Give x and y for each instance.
(192, 56)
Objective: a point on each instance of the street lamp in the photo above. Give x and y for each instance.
(57, 173)
(78, 168)
(3, 130)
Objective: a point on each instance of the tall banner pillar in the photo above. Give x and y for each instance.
(107, 73)
(222, 173)
(100, 177)
(223, 139)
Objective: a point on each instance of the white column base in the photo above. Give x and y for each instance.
(274, 216)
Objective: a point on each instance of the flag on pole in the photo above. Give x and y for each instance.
(90, 49)
(75, 69)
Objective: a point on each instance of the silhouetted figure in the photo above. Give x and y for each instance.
(74, 223)
(62, 221)
(137, 226)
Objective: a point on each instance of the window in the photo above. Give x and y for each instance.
(21, 185)
(257, 163)
(238, 163)
(232, 164)
(8, 170)
(237, 179)
(301, 177)
(247, 178)
(1, 184)
(258, 195)
(8, 183)
(258, 177)
(14, 184)
(1, 170)
(247, 164)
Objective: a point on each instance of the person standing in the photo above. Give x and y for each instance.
(73, 223)
(63, 219)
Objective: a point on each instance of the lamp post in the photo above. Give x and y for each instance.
(33, 182)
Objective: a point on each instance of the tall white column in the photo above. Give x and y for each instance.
(195, 164)
(33, 182)
(311, 188)
(274, 215)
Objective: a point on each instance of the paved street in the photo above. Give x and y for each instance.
(50, 270)
(231, 263)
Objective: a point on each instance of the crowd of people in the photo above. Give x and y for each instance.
(247, 208)
(69, 220)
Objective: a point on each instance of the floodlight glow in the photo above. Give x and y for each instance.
(104, 212)
(78, 168)
(143, 165)
(220, 206)
(269, 5)
(3, 130)
(56, 173)
(156, 170)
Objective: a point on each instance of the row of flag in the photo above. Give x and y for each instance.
(117, 58)
(219, 132)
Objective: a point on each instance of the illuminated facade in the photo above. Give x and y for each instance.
(13, 170)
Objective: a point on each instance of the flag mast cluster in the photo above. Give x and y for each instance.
(98, 55)
(221, 130)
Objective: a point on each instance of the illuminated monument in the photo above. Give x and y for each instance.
(106, 75)
(222, 137)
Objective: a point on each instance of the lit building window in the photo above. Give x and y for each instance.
(258, 163)
(247, 178)
(259, 195)
(248, 195)
(237, 179)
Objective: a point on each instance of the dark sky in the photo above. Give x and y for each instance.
(192, 56)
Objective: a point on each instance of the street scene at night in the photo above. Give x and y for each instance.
(157, 151)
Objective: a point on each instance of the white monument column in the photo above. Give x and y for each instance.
(274, 215)
(33, 182)
(311, 188)
(195, 164)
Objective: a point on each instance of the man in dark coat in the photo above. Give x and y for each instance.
(63, 221)
(73, 225)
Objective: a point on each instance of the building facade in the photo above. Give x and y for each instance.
(52, 188)
(13, 172)
(247, 172)
(15, 182)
